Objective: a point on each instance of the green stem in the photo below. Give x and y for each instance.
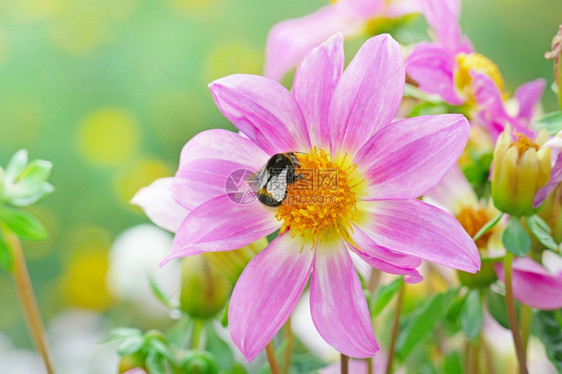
(395, 328)
(526, 315)
(369, 365)
(27, 298)
(271, 358)
(289, 348)
(344, 362)
(196, 334)
(512, 314)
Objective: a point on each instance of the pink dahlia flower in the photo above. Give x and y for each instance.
(338, 124)
(290, 40)
(534, 285)
(450, 68)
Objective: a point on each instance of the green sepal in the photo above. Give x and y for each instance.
(515, 239)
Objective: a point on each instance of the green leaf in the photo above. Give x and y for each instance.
(16, 165)
(6, 256)
(120, 333)
(157, 291)
(155, 363)
(159, 346)
(418, 325)
(23, 224)
(496, 306)
(488, 226)
(537, 227)
(551, 122)
(453, 363)
(383, 295)
(218, 347)
(550, 333)
(515, 239)
(472, 315)
(130, 344)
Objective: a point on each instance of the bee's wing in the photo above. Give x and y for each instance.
(277, 185)
(258, 180)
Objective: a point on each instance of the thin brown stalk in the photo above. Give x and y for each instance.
(395, 328)
(512, 315)
(271, 358)
(344, 362)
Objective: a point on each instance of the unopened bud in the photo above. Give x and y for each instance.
(197, 362)
(520, 169)
(204, 290)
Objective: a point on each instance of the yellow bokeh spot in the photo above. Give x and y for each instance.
(109, 136)
(232, 58)
(84, 282)
(139, 175)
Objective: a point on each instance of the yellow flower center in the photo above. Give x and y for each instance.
(478, 63)
(523, 143)
(472, 219)
(323, 203)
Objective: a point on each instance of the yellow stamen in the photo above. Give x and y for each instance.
(478, 63)
(324, 202)
(523, 143)
(472, 219)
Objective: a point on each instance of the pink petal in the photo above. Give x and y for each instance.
(208, 160)
(528, 96)
(263, 110)
(222, 224)
(407, 158)
(267, 292)
(367, 95)
(338, 306)
(443, 17)
(157, 203)
(555, 179)
(383, 258)
(289, 41)
(533, 285)
(431, 66)
(412, 227)
(397, 9)
(363, 9)
(315, 81)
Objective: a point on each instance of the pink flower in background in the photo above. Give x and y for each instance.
(290, 40)
(333, 120)
(450, 68)
(534, 285)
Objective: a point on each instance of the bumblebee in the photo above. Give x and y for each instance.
(270, 182)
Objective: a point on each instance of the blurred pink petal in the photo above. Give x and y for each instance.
(263, 110)
(315, 81)
(555, 179)
(443, 17)
(338, 305)
(533, 285)
(367, 95)
(267, 292)
(422, 150)
(453, 191)
(157, 203)
(528, 96)
(222, 224)
(412, 227)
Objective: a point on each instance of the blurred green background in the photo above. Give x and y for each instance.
(94, 86)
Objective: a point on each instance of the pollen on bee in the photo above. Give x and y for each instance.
(324, 201)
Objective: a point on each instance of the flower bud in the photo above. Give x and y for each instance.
(232, 263)
(204, 290)
(482, 278)
(520, 169)
(198, 362)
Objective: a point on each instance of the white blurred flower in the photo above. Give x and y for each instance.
(18, 361)
(133, 259)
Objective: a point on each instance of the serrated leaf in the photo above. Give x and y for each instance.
(488, 226)
(537, 227)
(6, 256)
(515, 239)
(416, 327)
(383, 295)
(155, 363)
(550, 334)
(472, 315)
(130, 345)
(23, 224)
(551, 122)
